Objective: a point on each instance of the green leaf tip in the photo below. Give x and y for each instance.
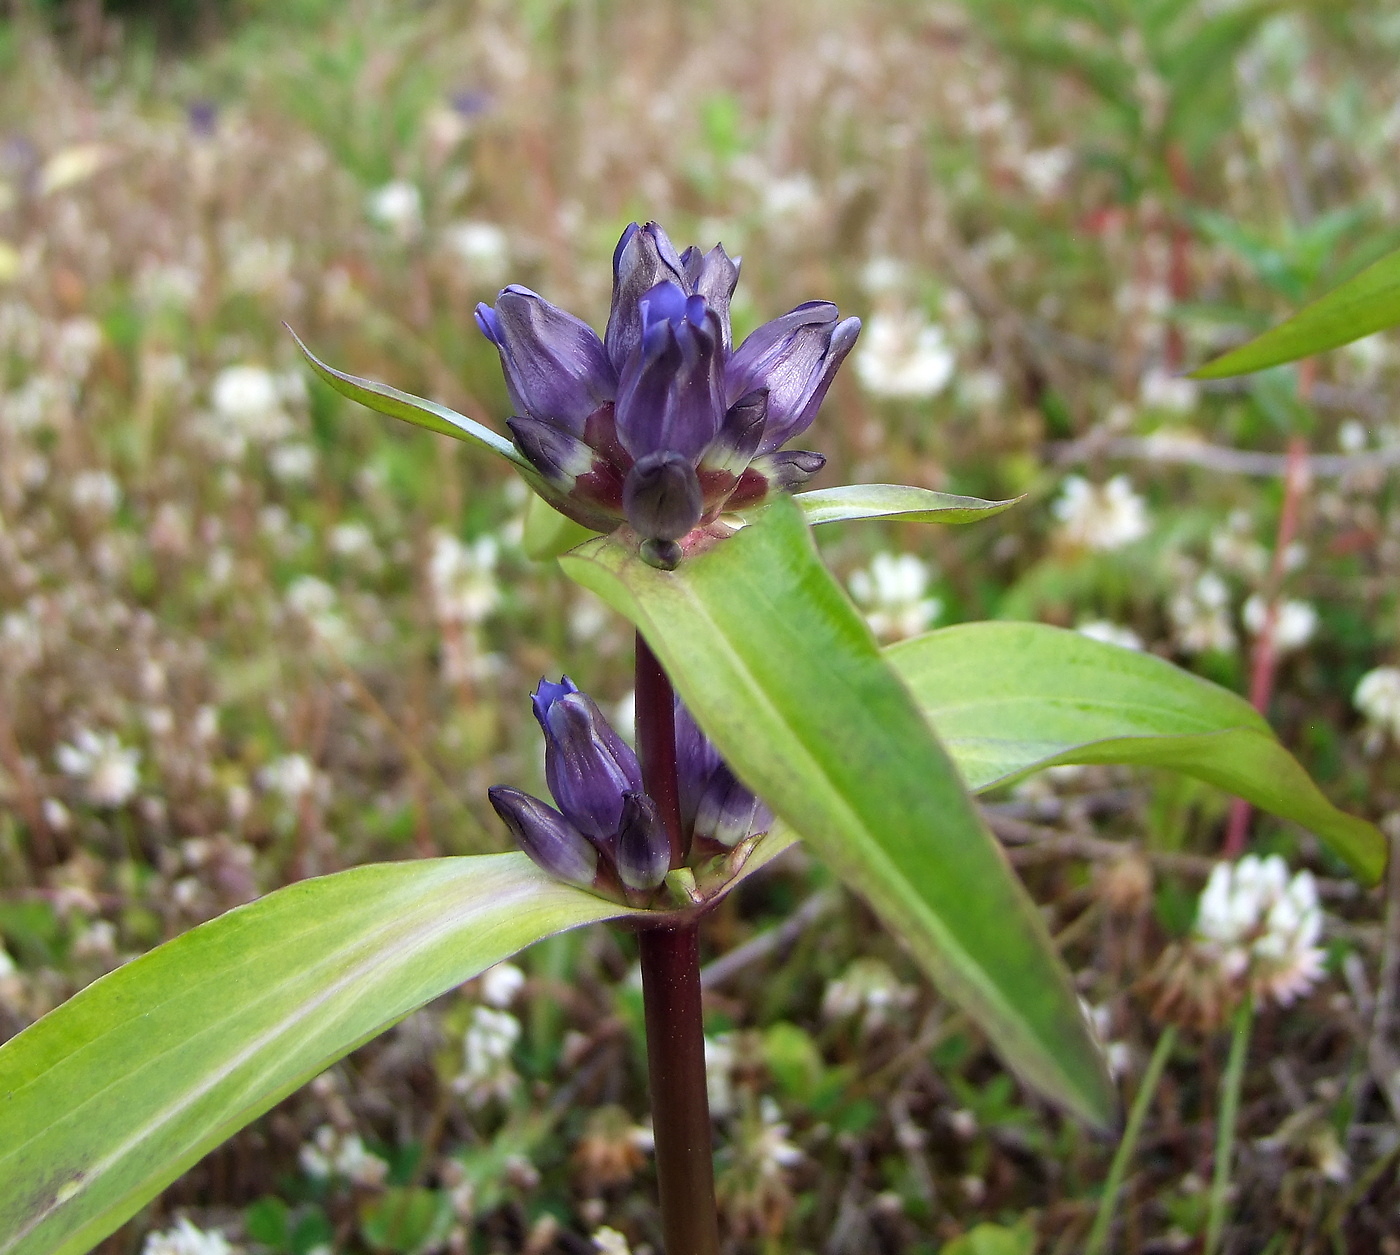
(1367, 303)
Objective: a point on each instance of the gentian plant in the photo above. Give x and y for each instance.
(660, 448)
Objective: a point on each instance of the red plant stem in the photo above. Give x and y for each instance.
(1265, 662)
(680, 1106)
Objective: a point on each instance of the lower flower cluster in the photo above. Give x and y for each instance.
(607, 834)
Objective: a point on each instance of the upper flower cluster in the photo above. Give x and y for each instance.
(607, 833)
(662, 422)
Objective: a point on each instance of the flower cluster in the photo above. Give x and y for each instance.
(662, 422)
(607, 833)
(1256, 934)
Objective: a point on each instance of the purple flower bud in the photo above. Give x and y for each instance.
(643, 852)
(714, 276)
(643, 258)
(738, 438)
(546, 836)
(774, 472)
(795, 358)
(558, 455)
(662, 496)
(670, 397)
(727, 812)
(556, 369)
(588, 766)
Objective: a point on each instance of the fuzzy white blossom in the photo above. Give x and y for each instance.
(1110, 633)
(95, 491)
(893, 593)
(720, 1057)
(483, 247)
(109, 770)
(334, 1154)
(1200, 612)
(486, 1049)
(500, 984)
(398, 207)
(1377, 697)
(463, 578)
(867, 990)
(1295, 622)
(610, 1242)
(768, 1150)
(187, 1239)
(1261, 927)
(1161, 390)
(293, 462)
(291, 777)
(903, 356)
(249, 400)
(1100, 516)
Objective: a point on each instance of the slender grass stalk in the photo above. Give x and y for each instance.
(1225, 1129)
(1123, 1156)
(680, 1107)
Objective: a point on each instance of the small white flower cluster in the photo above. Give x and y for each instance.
(334, 1154)
(501, 984)
(893, 593)
(187, 1239)
(610, 1242)
(903, 356)
(1100, 516)
(463, 578)
(1261, 927)
(398, 208)
(109, 771)
(720, 1057)
(483, 247)
(1109, 633)
(1377, 697)
(1295, 622)
(768, 1149)
(1200, 613)
(486, 1049)
(869, 991)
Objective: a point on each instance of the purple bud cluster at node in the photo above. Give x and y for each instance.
(663, 422)
(606, 832)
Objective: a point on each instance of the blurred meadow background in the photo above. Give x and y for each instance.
(250, 632)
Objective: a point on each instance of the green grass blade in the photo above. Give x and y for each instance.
(897, 502)
(108, 1098)
(783, 673)
(1010, 698)
(1364, 304)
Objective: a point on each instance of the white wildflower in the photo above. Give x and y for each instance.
(1161, 390)
(904, 356)
(1100, 516)
(483, 247)
(75, 346)
(1352, 436)
(1043, 170)
(486, 1050)
(1117, 1054)
(187, 1239)
(333, 1154)
(769, 1150)
(1200, 612)
(315, 601)
(290, 777)
(95, 491)
(720, 1057)
(610, 1242)
(500, 985)
(248, 399)
(1295, 622)
(793, 197)
(110, 771)
(36, 402)
(1261, 928)
(892, 591)
(882, 275)
(292, 463)
(1377, 697)
(1235, 549)
(1110, 633)
(869, 990)
(398, 207)
(463, 578)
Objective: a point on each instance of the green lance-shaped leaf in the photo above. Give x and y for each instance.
(1367, 303)
(786, 678)
(1010, 698)
(897, 502)
(386, 400)
(108, 1098)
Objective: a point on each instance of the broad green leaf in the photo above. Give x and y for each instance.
(386, 400)
(1010, 698)
(897, 502)
(108, 1098)
(784, 675)
(1369, 302)
(549, 533)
